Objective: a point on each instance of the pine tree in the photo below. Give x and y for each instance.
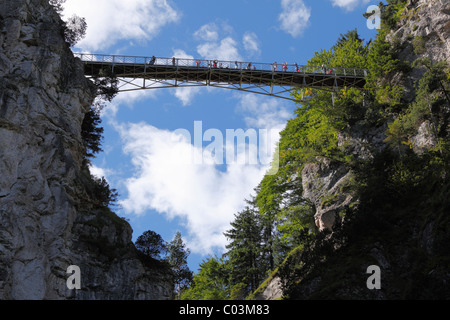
(151, 244)
(74, 27)
(177, 258)
(245, 250)
(92, 133)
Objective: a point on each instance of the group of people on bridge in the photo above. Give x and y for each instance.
(241, 65)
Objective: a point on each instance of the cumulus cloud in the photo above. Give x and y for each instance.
(295, 17)
(348, 5)
(215, 46)
(186, 94)
(112, 20)
(218, 42)
(226, 49)
(251, 43)
(207, 32)
(260, 112)
(168, 182)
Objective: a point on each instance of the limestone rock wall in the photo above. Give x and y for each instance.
(44, 225)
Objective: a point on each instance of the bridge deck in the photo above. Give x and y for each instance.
(210, 72)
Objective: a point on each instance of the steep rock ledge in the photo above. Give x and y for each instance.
(45, 226)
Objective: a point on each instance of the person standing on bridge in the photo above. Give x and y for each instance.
(274, 66)
(152, 60)
(284, 66)
(173, 61)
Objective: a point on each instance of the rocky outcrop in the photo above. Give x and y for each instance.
(273, 290)
(427, 20)
(45, 223)
(322, 185)
(326, 182)
(423, 31)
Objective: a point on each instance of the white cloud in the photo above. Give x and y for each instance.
(208, 32)
(98, 172)
(348, 5)
(186, 94)
(251, 43)
(212, 46)
(262, 112)
(294, 17)
(112, 20)
(218, 42)
(205, 197)
(226, 49)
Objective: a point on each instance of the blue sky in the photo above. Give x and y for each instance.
(144, 157)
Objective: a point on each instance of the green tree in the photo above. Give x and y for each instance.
(244, 249)
(391, 12)
(151, 244)
(268, 201)
(211, 282)
(177, 258)
(106, 84)
(285, 212)
(105, 195)
(92, 133)
(74, 27)
(350, 51)
(351, 35)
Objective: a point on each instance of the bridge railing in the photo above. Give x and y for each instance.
(221, 64)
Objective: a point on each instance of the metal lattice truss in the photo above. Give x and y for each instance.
(137, 73)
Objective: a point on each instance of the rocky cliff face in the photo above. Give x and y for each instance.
(45, 224)
(428, 19)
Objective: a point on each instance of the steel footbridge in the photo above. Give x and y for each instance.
(273, 79)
